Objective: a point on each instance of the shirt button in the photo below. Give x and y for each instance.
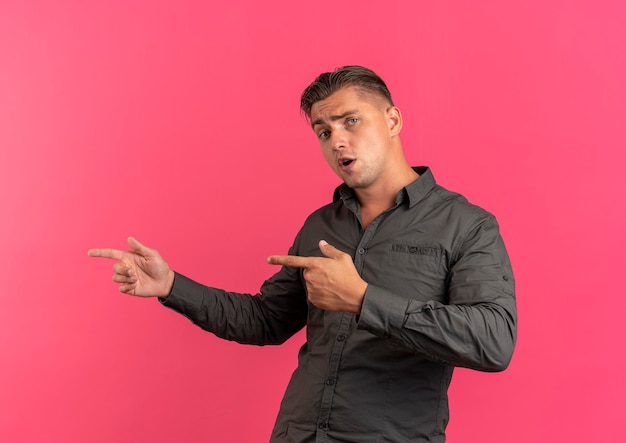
(341, 337)
(361, 251)
(330, 382)
(323, 426)
(412, 249)
(505, 277)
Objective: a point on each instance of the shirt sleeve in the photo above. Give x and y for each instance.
(270, 317)
(476, 328)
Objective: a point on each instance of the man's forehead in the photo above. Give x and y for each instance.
(343, 102)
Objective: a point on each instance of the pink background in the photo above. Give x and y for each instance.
(178, 122)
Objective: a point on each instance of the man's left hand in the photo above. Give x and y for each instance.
(332, 281)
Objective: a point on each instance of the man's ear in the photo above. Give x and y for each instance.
(394, 117)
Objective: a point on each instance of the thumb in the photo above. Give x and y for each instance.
(139, 248)
(329, 250)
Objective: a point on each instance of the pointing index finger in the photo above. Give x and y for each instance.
(293, 261)
(115, 254)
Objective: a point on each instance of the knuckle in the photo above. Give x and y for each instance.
(291, 261)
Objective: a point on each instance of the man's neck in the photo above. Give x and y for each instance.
(376, 199)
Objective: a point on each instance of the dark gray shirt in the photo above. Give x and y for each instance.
(441, 294)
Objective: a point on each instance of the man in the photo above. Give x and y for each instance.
(397, 281)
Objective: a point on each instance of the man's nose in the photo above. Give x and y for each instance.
(338, 140)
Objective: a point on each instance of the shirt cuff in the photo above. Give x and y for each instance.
(186, 294)
(382, 312)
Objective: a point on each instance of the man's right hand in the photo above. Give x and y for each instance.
(141, 271)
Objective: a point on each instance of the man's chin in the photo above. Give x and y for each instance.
(356, 184)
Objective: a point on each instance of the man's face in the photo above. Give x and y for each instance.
(355, 132)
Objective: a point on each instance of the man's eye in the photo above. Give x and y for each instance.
(353, 121)
(324, 134)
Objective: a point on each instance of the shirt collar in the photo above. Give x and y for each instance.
(413, 192)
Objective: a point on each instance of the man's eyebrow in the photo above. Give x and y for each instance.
(333, 118)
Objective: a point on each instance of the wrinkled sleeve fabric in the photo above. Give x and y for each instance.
(477, 326)
(270, 317)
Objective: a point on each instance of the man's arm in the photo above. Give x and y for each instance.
(270, 317)
(476, 328)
